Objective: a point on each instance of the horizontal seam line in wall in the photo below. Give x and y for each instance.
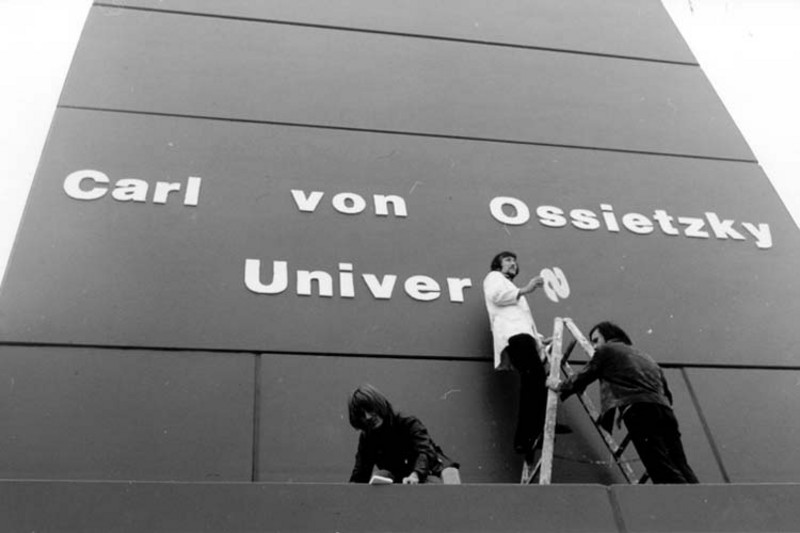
(404, 357)
(405, 133)
(399, 34)
(233, 351)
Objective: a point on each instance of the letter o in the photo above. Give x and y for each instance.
(72, 185)
(340, 201)
(521, 212)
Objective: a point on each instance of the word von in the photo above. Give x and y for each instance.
(515, 212)
(349, 203)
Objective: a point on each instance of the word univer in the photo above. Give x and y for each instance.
(421, 288)
(93, 185)
(585, 219)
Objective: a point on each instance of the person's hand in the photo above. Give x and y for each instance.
(553, 383)
(411, 479)
(532, 285)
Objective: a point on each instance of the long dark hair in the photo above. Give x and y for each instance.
(497, 262)
(611, 332)
(367, 398)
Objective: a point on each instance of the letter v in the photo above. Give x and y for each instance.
(307, 203)
(381, 290)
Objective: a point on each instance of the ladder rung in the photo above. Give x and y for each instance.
(622, 446)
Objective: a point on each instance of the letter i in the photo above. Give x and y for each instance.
(346, 288)
(608, 216)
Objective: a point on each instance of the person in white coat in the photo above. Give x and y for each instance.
(517, 344)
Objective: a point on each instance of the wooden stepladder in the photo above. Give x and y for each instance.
(558, 361)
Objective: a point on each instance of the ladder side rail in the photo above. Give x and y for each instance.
(546, 470)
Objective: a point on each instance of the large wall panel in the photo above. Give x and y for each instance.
(469, 409)
(305, 434)
(754, 418)
(140, 61)
(631, 28)
(85, 413)
(173, 275)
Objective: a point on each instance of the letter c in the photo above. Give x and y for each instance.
(72, 185)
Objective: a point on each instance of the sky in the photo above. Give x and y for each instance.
(749, 50)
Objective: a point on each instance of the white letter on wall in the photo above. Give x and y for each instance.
(381, 290)
(521, 212)
(72, 185)
(306, 203)
(456, 286)
(382, 202)
(252, 277)
(323, 279)
(130, 190)
(341, 200)
(422, 288)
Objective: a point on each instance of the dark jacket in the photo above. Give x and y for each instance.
(626, 375)
(401, 445)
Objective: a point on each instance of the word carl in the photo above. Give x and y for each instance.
(93, 185)
(514, 212)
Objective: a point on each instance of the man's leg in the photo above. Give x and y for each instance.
(524, 357)
(676, 453)
(652, 427)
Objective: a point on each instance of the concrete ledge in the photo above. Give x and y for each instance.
(750, 508)
(263, 507)
(100, 506)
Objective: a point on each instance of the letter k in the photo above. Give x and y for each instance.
(723, 229)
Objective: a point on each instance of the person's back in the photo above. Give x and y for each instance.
(629, 376)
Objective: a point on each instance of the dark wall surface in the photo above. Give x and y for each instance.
(582, 26)
(142, 334)
(681, 296)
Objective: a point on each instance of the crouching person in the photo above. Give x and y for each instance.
(398, 445)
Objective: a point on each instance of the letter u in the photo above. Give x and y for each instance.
(252, 277)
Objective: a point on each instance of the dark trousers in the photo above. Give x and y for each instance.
(524, 357)
(655, 435)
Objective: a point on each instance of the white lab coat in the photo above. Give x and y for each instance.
(509, 315)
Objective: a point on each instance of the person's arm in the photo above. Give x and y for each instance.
(424, 449)
(531, 286)
(362, 471)
(501, 291)
(578, 382)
